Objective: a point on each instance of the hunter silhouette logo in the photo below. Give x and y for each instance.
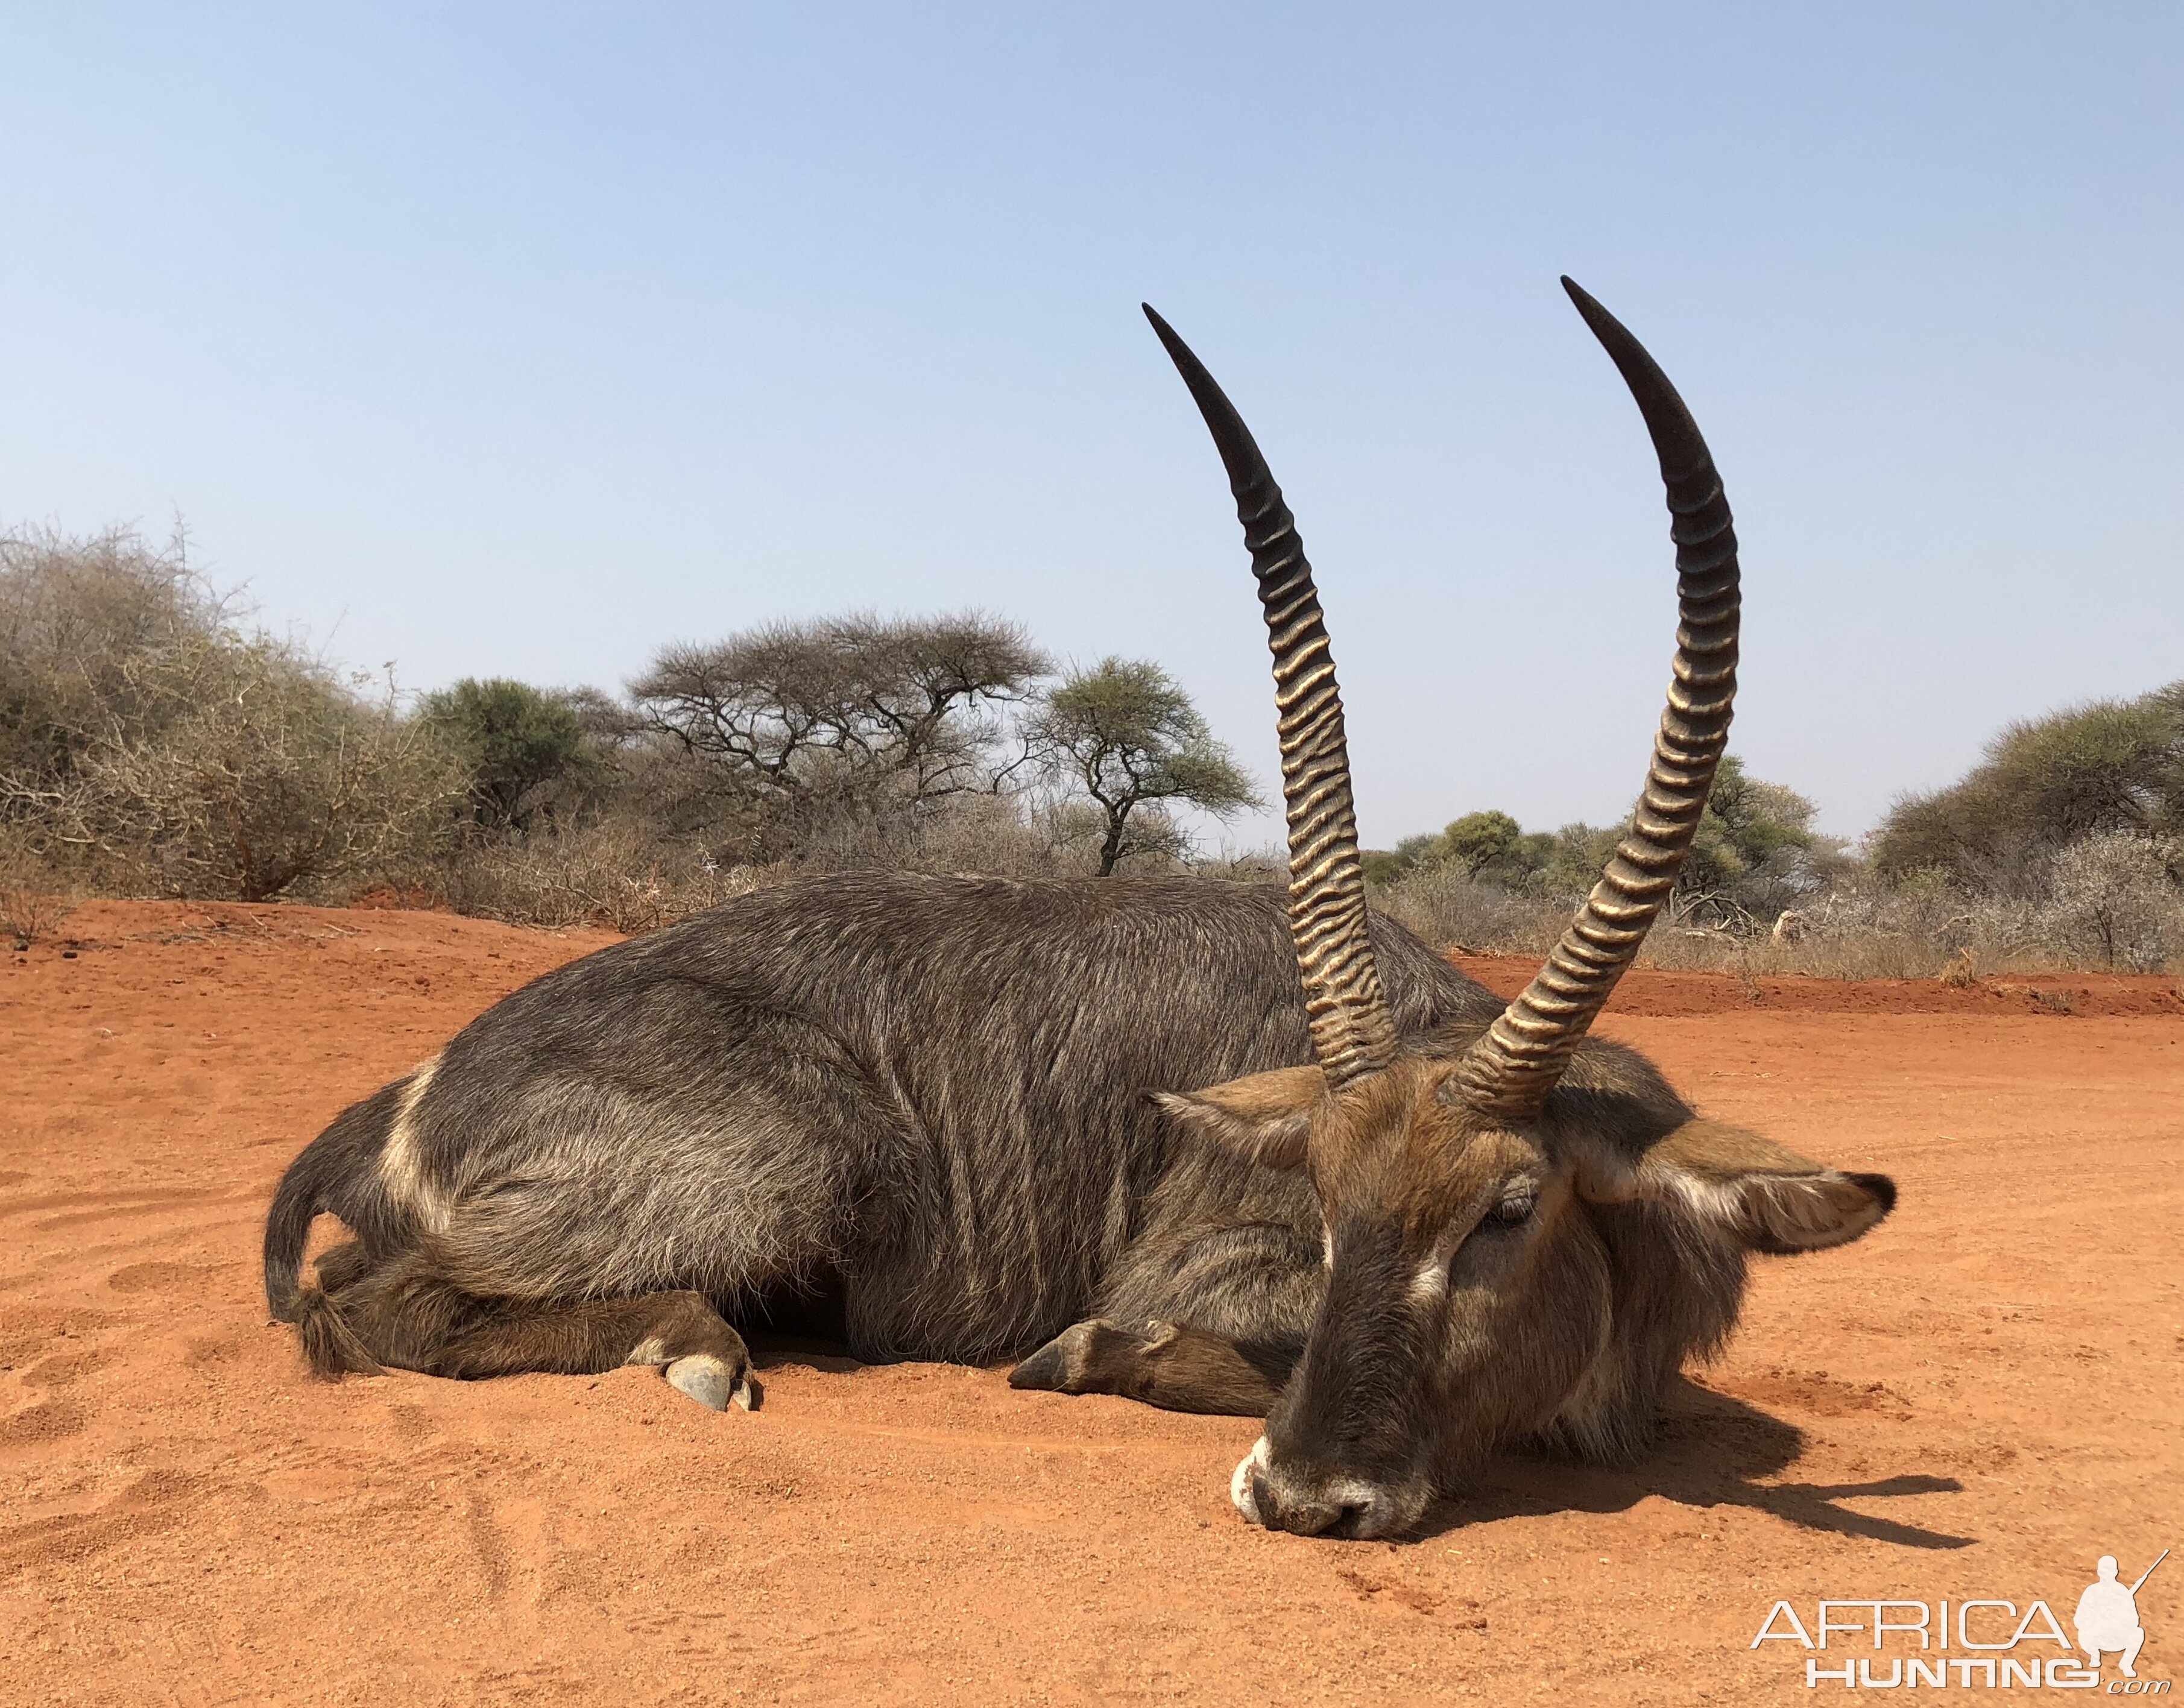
(1977, 1642)
(2107, 1616)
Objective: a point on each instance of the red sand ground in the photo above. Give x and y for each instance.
(1976, 1401)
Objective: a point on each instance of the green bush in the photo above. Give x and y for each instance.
(519, 745)
(1755, 854)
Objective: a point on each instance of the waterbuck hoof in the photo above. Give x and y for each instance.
(1046, 1369)
(713, 1383)
(1088, 1357)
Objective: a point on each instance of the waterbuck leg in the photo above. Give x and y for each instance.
(1195, 1319)
(1176, 1369)
(680, 1333)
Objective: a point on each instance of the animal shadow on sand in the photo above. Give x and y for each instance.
(1709, 1449)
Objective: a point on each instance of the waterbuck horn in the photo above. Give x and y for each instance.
(1351, 1030)
(1510, 1070)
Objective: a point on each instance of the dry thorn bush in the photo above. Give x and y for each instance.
(264, 778)
(2114, 904)
(1451, 911)
(147, 746)
(610, 874)
(28, 911)
(32, 903)
(26, 915)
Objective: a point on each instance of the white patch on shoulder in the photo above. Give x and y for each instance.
(1326, 1247)
(1239, 1484)
(400, 1170)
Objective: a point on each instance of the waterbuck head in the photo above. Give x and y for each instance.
(1526, 1232)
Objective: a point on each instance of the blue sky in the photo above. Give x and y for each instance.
(518, 340)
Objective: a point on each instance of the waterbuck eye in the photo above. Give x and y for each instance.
(1516, 1208)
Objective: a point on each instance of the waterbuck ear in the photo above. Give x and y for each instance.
(1263, 1116)
(1742, 1186)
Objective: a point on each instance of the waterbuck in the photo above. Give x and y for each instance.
(1219, 1149)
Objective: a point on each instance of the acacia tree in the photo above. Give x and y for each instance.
(2114, 766)
(1756, 851)
(853, 710)
(1476, 840)
(1127, 735)
(1489, 847)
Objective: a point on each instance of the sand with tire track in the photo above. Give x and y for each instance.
(1977, 1401)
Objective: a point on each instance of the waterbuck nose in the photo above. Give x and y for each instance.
(1350, 1518)
(1309, 1499)
(1303, 1514)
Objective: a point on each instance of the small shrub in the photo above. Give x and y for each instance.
(32, 906)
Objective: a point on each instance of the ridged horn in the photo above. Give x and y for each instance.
(1352, 1033)
(1510, 1070)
